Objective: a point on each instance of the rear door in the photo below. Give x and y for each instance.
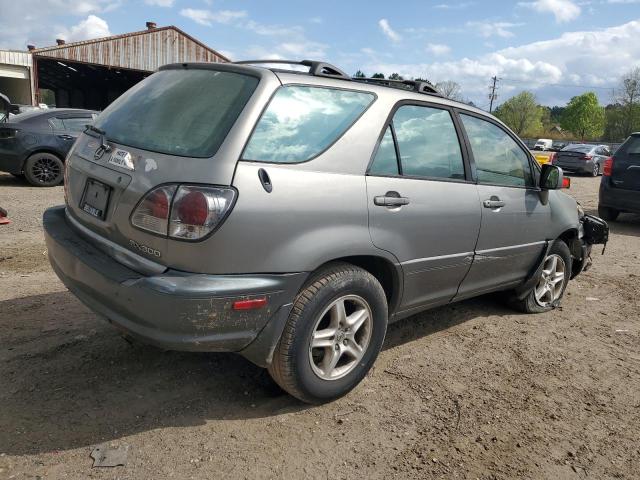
(626, 165)
(423, 205)
(514, 221)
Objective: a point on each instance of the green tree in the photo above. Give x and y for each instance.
(359, 74)
(377, 75)
(521, 113)
(395, 76)
(584, 116)
(628, 98)
(615, 128)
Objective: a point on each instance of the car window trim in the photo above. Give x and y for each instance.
(533, 164)
(468, 177)
(266, 106)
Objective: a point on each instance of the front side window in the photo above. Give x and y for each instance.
(185, 112)
(302, 121)
(499, 159)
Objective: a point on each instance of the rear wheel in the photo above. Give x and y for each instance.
(333, 336)
(596, 170)
(608, 214)
(548, 292)
(44, 170)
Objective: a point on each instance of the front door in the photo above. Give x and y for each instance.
(423, 207)
(514, 220)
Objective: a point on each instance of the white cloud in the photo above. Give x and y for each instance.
(90, 27)
(574, 58)
(453, 6)
(23, 22)
(438, 49)
(160, 3)
(493, 29)
(388, 31)
(563, 10)
(209, 17)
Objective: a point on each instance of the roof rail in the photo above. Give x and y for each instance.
(317, 69)
(420, 86)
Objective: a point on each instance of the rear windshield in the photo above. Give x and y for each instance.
(178, 112)
(577, 148)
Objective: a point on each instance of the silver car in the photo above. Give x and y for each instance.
(291, 216)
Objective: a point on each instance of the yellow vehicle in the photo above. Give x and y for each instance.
(543, 157)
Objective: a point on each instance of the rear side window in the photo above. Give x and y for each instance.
(76, 124)
(499, 159)
(302, 121)
(178, 112)
(427, 142)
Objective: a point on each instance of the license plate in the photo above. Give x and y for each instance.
(96, 198)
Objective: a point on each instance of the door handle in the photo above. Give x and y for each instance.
(390, 199)
(66, 137)
(494, 202)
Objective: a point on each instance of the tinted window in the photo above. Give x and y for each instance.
(499, 159)
(385, 161)
(76, 124)
(428, 142)
(300, 122)
(179, 112)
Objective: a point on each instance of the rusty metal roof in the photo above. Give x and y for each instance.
(145, 50)
(15, 57)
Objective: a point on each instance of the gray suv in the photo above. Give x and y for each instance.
(291, 216)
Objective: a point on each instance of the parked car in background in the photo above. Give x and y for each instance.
(35, 143)
(620, 184)
(291, 216)
(543, 144)
(583, 158)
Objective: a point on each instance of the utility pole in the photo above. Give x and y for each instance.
(493, 95)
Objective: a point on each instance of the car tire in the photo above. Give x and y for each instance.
(608, 214)
(596, 170)
(309, 373)
(44, 170)
(547, 295)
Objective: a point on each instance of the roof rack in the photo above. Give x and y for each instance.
(323, 69)
(420, 86)
(317, 69)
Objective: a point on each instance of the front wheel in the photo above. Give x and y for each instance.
(548, 292)
(333, 335)
(44, 170)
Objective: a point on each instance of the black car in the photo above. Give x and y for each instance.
(35, 143)
(583, 158)
(620, 185)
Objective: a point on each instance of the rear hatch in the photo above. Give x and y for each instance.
(626, 164)
(174, 128)
(574, 158)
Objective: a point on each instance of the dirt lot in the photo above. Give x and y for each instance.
(466, 391)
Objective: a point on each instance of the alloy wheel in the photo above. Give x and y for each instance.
(45, 170)
(340, 337)
(551, 284)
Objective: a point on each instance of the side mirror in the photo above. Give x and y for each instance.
(551, 177)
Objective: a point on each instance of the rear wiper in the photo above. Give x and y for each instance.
(103, 139)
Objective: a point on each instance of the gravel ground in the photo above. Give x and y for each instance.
(471, 390)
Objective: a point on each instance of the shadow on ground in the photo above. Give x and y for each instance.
(82, 384)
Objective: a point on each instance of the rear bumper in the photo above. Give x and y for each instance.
(585, 166)
(11, 163)
(173, 310)
(618, 198)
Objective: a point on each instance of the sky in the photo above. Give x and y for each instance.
(555, 48)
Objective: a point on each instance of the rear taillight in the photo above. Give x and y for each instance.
(608, 167)
(566, 182)
(586, 157)
(152, 213)
(186, 212)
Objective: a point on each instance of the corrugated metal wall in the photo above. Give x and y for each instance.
(146, 50)
(12, 57)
